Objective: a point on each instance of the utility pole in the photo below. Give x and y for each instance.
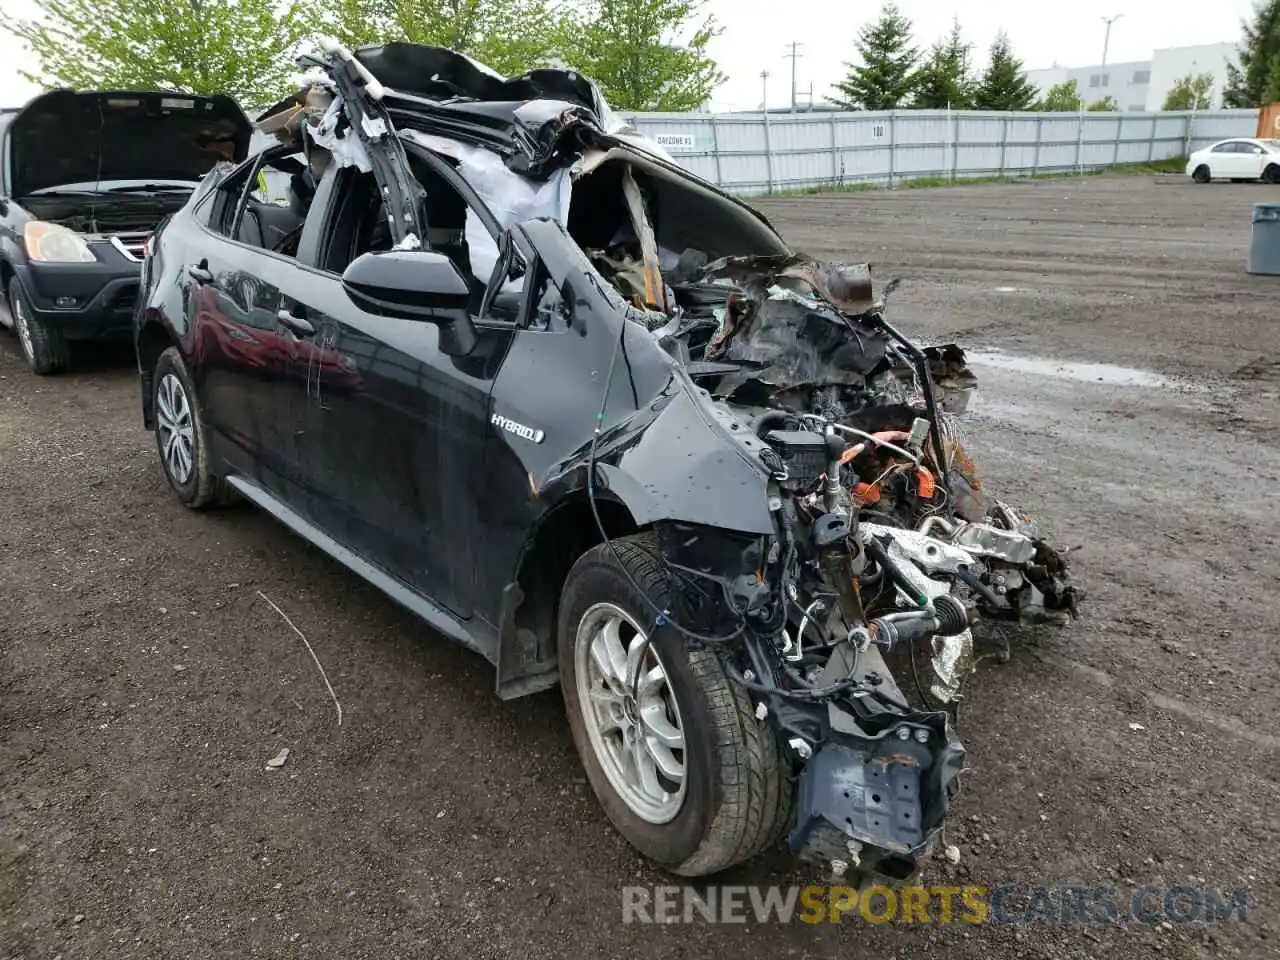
(1106, 39)
(794, 55)
(768, 143)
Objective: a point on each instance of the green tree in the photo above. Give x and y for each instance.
(1061, 98)
(1271, 94)
(646, 54)
(1190, 93)
(1004, 84)
(508, 35)
(886, 77)
(946, 80)
(240, 47)
(1248, 84)
(1105, 105)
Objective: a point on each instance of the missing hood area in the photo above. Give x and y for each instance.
(888, 548)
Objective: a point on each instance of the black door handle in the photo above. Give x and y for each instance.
(200, 273)
(299, 325)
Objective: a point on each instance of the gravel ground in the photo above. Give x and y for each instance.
(1130, 393)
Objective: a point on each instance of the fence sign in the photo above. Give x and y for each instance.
(685, 140)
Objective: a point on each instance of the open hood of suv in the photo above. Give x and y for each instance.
(64, 137)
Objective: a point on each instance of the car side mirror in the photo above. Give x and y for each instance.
(415, 285)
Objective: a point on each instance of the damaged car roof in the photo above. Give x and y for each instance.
(536, 122)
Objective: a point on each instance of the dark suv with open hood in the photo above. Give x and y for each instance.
(84, 179)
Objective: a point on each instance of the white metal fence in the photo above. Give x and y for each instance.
(764, 153)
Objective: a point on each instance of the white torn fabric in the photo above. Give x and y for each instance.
(483, 68)
(347, 150)
(510, 197)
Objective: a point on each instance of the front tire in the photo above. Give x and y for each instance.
(685, 771)
(43, 346)
(1201, 174)
(182, 439)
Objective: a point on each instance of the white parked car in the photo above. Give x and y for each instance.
(1241, 158)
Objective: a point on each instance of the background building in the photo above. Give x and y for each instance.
(1171, 64)
(1143, 84)
(1128, 83)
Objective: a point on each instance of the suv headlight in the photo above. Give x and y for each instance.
(51, 243)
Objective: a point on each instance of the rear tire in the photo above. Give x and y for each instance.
(43, 346)
(182, 438)
(733, 797)
(1201, 174)
(1271, 174)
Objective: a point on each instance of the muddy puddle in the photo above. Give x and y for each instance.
(1105, 374)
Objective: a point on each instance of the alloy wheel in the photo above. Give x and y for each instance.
(175, 427)
(630, 713)
(24, 331)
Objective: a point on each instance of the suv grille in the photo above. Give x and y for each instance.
(132, 245)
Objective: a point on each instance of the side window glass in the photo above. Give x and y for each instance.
(264, 205)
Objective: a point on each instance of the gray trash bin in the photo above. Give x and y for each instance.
(1264, 250)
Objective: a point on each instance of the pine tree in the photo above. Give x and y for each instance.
(945, 80)
(1271, 94)
(886, 77)
(1004, 85)
(1247, 84)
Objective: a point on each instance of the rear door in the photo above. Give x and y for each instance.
(244, 353)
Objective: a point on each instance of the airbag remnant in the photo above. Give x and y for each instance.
(786, 339)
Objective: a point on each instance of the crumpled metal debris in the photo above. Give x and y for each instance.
(786, 339)
(846, 286)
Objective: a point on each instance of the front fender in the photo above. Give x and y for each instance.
(692, 463)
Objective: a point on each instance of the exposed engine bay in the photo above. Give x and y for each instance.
(105, 213)
(888, 544)
(887, 548)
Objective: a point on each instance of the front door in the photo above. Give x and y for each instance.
(393, 444)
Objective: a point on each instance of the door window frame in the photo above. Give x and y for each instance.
(475, 204)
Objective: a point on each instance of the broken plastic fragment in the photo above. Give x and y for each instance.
(278, 761)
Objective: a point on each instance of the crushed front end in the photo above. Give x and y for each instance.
(887, 550)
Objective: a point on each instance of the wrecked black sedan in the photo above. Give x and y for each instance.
(591, 417)
(85, 176)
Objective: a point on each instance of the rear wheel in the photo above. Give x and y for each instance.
(683, 768)
(1201, 174)
(1271, 174)
(182, 438)
(44, 347)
